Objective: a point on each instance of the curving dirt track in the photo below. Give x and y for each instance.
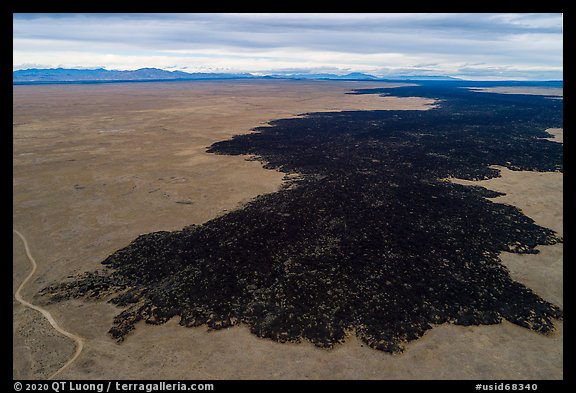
(77, 339)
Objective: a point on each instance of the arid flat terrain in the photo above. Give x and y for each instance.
(533, 90)
(97, 165)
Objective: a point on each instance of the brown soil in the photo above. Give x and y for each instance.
(540, 91)
(97, 165)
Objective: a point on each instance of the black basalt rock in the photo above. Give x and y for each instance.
(369, 239)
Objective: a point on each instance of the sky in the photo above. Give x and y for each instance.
(468, 46)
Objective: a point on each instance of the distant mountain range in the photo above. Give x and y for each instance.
(101, 74)
(56, 75)
(362, 76)
(351, 76)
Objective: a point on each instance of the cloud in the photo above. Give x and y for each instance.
(259, 42)
(499, 72)
(26, 66)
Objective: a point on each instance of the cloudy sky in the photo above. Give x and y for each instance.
(471, 46)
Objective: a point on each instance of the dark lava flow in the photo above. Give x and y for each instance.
(369, 239)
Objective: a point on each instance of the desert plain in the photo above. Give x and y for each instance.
(96, 165)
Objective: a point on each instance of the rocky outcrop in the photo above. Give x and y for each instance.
(367, 239)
